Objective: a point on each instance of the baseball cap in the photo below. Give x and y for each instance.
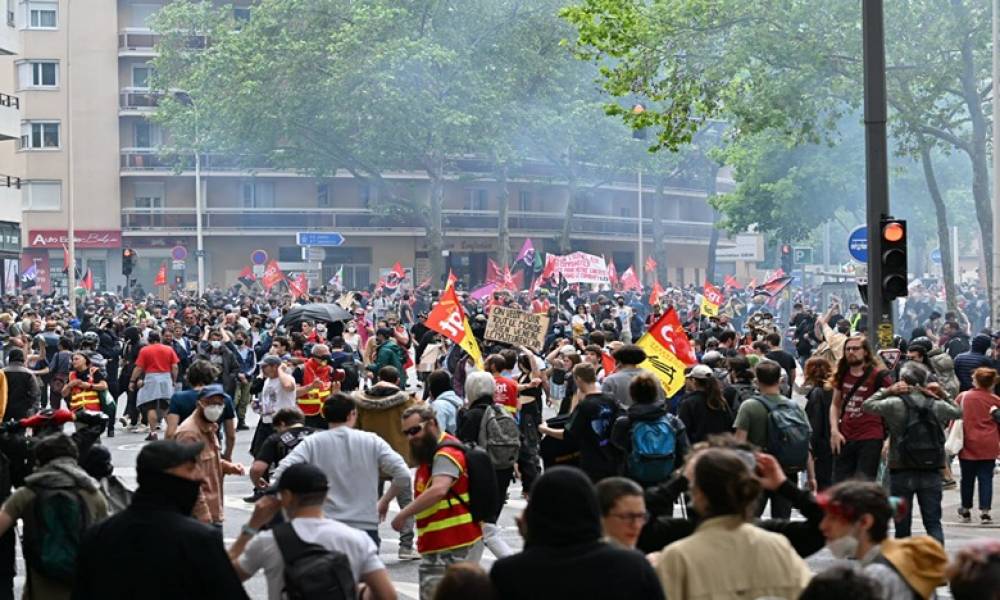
(302, 478)
(214, 389)
(701, 372)
(166, 454)
(270, 360)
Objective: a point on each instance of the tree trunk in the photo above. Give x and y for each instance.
(944, 234)
(659, 239)
(713, 239)
(503, 226)
(565, 241)
(435, 224)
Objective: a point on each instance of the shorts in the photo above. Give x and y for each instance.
(160, 403)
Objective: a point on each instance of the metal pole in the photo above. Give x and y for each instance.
(876, 164)
(70, 204)
(197, 216)
(641, 267)
(995, 309)
(956, 264)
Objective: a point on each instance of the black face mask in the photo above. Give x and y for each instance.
(181, 493)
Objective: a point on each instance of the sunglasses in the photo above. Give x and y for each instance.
(412, 431)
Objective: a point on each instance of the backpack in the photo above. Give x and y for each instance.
(499, 436)
(922, 444)
(651, 459)
(788, 434)
(291, 438)
(608, 412)
(53, 529)
(483, 494)
(313, 572)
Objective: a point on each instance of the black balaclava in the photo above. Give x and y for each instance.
(178, 492)
(563, 509)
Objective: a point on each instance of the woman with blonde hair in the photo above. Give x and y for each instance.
(818, 391)
(980, 443)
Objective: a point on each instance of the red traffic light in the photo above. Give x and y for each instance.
(893, 231)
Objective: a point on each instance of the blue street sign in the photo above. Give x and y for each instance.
(258, 257)
(857, 244)
(314, 238)
(936, 256)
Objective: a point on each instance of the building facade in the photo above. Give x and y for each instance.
(10, 180)
(90, 139)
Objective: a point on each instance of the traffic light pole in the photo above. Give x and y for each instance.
(876, 166)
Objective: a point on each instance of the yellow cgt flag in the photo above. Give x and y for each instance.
(662, 362)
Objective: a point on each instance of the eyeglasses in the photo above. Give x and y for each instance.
(412, 431)
(631, 517)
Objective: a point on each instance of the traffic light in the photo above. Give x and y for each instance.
(787, 258)
(128, 261)
(894, 275)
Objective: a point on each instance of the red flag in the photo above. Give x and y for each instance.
(492, 271)
(612, 276)
(65, 259)
(774, 286)
(161, 275)
(629, 280)
(550, 266)
(87, 282)
(776, 275)
(676, 340)
(448, 319)
(654, 296)
(299, 286)
(608, 363)
(508, 281)
(650, 264)
(399, 271)
(712, 294)
(451, 279)
(732, 283)
(246, 276)
(272, 275)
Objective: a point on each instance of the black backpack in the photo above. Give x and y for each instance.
(922, 444)
(313, 572)
(483, 494)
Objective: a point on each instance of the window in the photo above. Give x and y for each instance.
(11, 21)
(148, 199)
(41, 195)
(38, 74)
(140, 15)
(323, 195)
(141, 75)
(42, 15)
(475, 199)
(146, 135)
(258, 194)
(625, 211)
(524, 201)
(37, 135)
(241, 14)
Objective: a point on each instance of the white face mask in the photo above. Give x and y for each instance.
(844, 547)
(216, 344)
(213, 412)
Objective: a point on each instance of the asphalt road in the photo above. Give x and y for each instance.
(125, 446)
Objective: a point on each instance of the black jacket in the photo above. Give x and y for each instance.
(663, 529)
(701, 421)
(157, 553)
(468, 422)
(23, 392)
(818, 400)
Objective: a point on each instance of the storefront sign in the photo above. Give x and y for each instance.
(517, 327)
(92, 238)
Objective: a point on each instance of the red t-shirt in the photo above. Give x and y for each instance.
(982, 437)
(856, 425)
(156, 358)
(505, 393)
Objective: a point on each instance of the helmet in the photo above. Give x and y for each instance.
(921, 344)
(91, 337)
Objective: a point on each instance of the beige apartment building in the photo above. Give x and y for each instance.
(10, 180)
(91, 138)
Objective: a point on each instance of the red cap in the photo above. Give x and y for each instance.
(48, 417)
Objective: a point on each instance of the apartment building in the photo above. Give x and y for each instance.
(10, 180)
(91, 138)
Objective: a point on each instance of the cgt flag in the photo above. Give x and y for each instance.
(451, 279)
(654, 295)
(659, 359)
(448, 319)
(161, 275)
(711, 300)
(272, 275)
(672, 333)
(299, 286)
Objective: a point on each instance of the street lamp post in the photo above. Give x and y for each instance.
(186, 99)
(70, 203)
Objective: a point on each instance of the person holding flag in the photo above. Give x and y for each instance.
(448, 319)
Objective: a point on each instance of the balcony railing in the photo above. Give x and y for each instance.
(143, 41)
(138, 99)
(10, 181)
(360, 219)
(11, 101)
(142, 159)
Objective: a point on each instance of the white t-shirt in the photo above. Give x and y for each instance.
(262, 552)
(273, 398)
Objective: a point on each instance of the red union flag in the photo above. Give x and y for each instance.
(448, 319)
(299, 286)
(272, 275)
(711, 300)
(669, 332)
(161, 275)
(650, 264)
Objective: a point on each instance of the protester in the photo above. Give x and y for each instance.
(818, 391)
(23, 392)
(856, 437)
(980, 443)
(653, 441)
(444, 400)
(153, 376)
(703, 409)
(975, 572)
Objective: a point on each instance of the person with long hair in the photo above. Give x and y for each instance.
(758, 563)
(703, 410)
(818, 391)
(855, 437)
(980, 443)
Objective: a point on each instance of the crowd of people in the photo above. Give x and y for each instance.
(635, 491)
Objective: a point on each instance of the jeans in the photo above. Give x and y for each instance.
(926, 485)
(858, 459)
(434, 564)
(973, 470)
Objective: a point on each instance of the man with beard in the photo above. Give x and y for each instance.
(856, 437)
(447, 531)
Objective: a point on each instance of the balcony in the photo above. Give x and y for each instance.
(149, 160)
(10, 198)
(141, 42)
(137, 101)
(283, 221)
(10, 117)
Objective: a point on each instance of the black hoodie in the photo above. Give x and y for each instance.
(563, 554)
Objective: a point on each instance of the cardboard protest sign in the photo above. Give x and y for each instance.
(517, 327)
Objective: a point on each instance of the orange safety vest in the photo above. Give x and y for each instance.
(448, 524)
(312, 403)
(83, 399)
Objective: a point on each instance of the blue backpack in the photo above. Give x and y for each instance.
(653, 445)
(788, 434)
